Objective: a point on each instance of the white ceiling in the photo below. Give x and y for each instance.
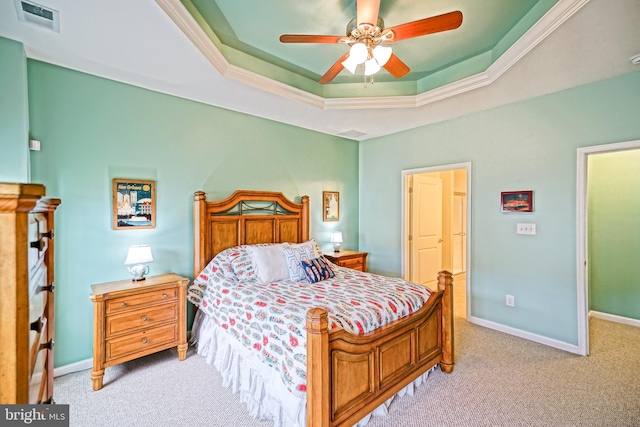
(136, 42)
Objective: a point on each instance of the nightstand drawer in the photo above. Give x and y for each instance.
(141, 319)
(141, 341)
(355, 260)
(134, 301)
(354, 263)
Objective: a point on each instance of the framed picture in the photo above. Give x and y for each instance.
(330, 206)
(516, 201)
(134, 204)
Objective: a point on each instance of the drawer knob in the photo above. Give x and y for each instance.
(145, 318)
(123, 304)
(48, 234)
(145, 340)
(38, 244)
(49, 344)
(48, 288)
(36, 326)
(165, 296)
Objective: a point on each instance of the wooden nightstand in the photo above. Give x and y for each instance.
(134, 319)
(355, 260)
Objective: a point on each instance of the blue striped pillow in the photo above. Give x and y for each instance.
(317, 269)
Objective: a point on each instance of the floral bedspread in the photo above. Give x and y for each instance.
(269, 319)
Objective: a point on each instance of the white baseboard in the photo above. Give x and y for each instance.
(73, 367)
(571, 348)
(614, 318)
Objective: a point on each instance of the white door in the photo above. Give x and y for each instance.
(459, 232)
(426, 230)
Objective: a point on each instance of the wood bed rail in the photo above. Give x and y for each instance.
(348, 375)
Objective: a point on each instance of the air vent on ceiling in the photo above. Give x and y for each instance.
(353, 134)
(37, 14)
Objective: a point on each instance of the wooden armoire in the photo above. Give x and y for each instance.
(26, 294)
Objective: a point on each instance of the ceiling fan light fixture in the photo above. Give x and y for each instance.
(359, 53)
(382, 54)
(350, 64)
(371, 67)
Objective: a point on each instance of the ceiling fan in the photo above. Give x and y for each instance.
(367, 37)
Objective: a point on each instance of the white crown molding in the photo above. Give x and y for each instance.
(181, 16)
(555, 17)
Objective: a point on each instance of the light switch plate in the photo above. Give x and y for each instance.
(526, 228)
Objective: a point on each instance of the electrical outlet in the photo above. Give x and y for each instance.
(525, 228)
(511, 301)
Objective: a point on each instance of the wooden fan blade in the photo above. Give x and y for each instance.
(396, 67)
(434, 24)
(302, 38)
(367, 11)
(334, 70)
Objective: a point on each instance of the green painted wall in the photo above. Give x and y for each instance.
(613, 205)
(93, 130)
(529, 145)
(14, 113)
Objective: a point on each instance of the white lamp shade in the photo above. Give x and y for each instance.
(139, 254)
(359, 53)
(350, 64)
(336, 237)
(382, 54)
(371, 67)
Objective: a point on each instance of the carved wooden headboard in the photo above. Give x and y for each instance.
(246, 218)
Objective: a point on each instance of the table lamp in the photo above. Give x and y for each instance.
(336, 239)
(137, 256)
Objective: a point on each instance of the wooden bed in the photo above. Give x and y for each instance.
(348, 376)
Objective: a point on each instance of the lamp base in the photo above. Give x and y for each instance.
(138, 272)
(336, 247)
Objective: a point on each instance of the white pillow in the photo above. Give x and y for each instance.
(294, 254)
(269, 263)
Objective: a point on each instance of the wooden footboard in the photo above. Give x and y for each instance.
(348, 375)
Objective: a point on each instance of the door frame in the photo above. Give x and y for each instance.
(405, 220)
(582, 266)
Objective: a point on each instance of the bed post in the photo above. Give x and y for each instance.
(317, 368)
(305, 222)
(445, 283)
(199, 228)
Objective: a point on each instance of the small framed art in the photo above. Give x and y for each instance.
(330, 206)
(516, 201)
(134, 204)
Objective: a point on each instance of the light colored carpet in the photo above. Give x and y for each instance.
(498, 380)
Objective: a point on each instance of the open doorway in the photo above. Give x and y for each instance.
(436, 228)
(585, 202)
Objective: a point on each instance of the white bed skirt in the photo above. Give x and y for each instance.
(260, 387)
